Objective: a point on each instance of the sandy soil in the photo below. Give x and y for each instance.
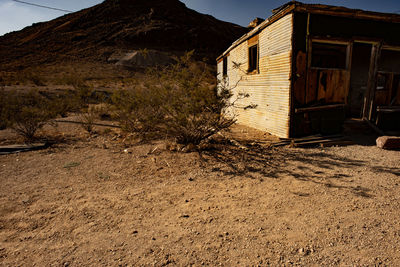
(87, 202)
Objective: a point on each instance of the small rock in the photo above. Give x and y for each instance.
(128, 151)
(25, 200)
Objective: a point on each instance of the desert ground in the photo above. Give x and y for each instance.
(105, 200)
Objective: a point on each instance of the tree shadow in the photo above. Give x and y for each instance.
(379, 169)
(263, 162)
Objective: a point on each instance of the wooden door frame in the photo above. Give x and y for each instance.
(372, 75)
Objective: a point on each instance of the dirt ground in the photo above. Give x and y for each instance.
(86, 201)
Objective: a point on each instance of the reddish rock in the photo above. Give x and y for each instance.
(388, 142)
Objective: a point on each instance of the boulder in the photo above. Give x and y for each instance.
(388, 142)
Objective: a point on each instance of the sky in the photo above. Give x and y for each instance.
(15, 16)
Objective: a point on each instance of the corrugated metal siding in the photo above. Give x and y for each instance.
(270, 89)
(219, 70)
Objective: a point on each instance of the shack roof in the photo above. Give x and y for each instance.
(295, 6)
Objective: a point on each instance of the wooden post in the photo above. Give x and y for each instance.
(390, 88)
(308, 56)
(370, 93)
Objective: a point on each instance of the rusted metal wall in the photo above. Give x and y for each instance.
(269, 88)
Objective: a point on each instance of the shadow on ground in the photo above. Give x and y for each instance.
(261, 162)
(360, 132)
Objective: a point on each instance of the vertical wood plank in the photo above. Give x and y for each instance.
(300, 78)
(369, 96)
(312, 85)
(390, 86)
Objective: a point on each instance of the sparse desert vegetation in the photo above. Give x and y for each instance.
(179, 102)
(145, 168)
(26, 113)
(105, 195)
(106, 199)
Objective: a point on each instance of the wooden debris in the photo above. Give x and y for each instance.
(318, 140)
(237, 144)
(10, 149)
(95, 124)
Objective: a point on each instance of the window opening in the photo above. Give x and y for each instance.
(330, 56)
(253, 58)
(225, 66)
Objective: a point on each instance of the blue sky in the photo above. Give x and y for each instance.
(15, 16)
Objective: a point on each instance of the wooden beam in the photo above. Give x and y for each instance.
(328, 40)
(348, 13)
(385, 109)
(318, 108)
(390, 47)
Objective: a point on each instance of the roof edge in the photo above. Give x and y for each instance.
(278, 13)
(295, 6)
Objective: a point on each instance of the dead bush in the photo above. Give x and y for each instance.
(4, 114)
(27, 113)
(138, 110)
(181, 101)
(83, 93)
(30, 77)
(88, 117)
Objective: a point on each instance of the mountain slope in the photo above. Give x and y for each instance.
(96, 32)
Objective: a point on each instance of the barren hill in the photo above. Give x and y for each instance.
(95, 33)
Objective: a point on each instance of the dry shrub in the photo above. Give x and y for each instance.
(83, 101)
(83, 92)
(138, 110)
(30, 77)
(27, 113)
(179, 101)
(4, 122)
(89, 115)
(65, 102)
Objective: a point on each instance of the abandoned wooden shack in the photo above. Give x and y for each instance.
(309, 67)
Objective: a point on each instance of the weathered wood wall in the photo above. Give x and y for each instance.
(318, 86)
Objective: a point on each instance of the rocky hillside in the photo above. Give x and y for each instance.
(97, 32)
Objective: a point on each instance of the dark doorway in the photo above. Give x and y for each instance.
(360, 66)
